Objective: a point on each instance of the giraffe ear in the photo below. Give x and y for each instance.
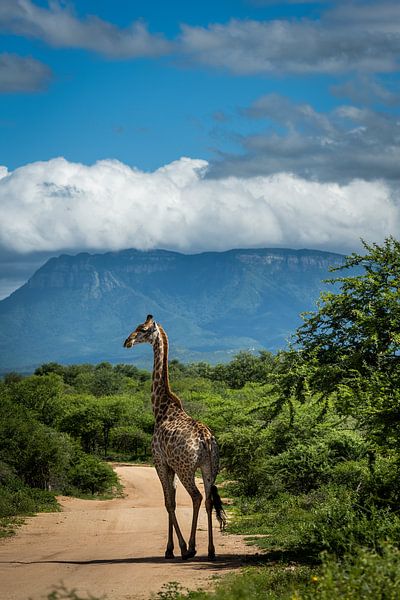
(149, 318)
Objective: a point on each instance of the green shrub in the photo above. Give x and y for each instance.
(92, 475)
(384, 486)
(367, 574)
(327, 519)
(345, 445)
(301, 468)
(278, 583)
(39, 455)
(354, 475)
(340, 524)
(19, 499)
(131, 441)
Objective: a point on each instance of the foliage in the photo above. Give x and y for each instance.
(91, 475)
(358, 327)
(244, 368)
(36, 459)
(17, 498)
(278, 583)
(41, 395)
(370, 575)
(131, 441)
(102, 379)
(34, 452)
(350, 346)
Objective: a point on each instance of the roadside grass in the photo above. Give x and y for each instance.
(9, 525)
(61, 592)
(367, 574)
(280, 581)
(18, 501)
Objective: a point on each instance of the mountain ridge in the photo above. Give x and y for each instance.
(79, 308)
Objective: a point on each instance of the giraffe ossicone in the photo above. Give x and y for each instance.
(180, 446)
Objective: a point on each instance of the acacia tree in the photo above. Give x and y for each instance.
(351, 344)
(358, 327)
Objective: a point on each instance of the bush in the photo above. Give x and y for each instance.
(131, 441)
(36, 453)
(340, 524)
(16, 498)
(351, 474)
(368, 574)
(302, 468)
(92, 475)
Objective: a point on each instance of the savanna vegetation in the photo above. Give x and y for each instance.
(309, 438)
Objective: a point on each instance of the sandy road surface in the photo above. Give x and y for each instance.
(112, 547)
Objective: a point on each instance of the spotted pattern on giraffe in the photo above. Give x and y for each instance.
(180, 445)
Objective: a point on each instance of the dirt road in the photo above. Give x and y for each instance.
(113, 547)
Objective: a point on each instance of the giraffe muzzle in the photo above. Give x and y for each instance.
(128, 343)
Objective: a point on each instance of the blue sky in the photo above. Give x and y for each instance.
(143, 111)
(286, 113)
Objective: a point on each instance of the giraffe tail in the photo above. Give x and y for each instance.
(219, 509)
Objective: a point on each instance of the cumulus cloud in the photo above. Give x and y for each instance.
(57, 205)
(353, 37)
(22, 74)
(60, 27)
(346, 143)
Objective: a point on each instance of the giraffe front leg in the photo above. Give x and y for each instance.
(169, 553)
(167, 478)
(188, 482)
(196, 500)
(181, 541)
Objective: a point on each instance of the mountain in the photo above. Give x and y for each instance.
(81, 308)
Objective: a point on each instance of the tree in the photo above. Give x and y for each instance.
(357, 328)
(40, 394)
(350, 345)
(244, 368)
(83, 422)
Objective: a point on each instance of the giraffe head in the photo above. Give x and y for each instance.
(144, 333)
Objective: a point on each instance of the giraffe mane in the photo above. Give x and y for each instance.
(170, 393)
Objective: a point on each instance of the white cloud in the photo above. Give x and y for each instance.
(56, 205)
(60, 27)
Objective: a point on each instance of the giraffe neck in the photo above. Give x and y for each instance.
(162, 397)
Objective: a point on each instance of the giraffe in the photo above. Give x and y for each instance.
(180, 445)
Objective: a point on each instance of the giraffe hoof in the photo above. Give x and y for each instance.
(169, 554)
(188, 554)
(211, 556)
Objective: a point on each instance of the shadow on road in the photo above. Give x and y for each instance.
(221, 562)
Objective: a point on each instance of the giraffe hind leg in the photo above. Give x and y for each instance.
(208, 483)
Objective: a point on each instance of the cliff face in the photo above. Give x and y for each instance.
(80, 308)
